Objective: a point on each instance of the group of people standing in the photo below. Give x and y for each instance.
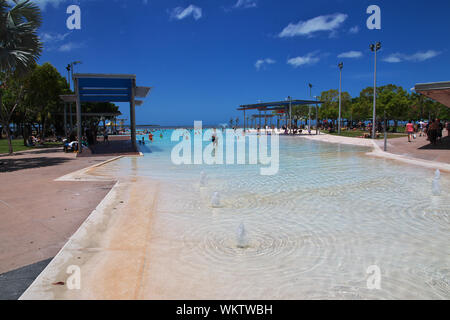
(432, 129)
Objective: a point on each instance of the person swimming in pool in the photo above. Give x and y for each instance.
(150, 137)
(214, 138)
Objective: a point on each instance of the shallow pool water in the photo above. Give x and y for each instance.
(312, 230)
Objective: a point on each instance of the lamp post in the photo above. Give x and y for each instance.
(317, 116)
(385, 132)
(375, 48)
(309, 109)
(69, 69)
(290, 114)
(340, 65)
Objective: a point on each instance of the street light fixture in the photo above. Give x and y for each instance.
(69, 69)
(340, 65)
(375, 48)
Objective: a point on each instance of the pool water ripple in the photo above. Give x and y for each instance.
(313, 229)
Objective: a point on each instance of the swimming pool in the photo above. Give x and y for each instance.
(316, 230)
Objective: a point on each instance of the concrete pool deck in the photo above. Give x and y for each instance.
(417, 152)
(110, 248)
(38, 214)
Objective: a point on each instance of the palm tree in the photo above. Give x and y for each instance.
(20, 48)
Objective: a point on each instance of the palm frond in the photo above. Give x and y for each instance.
(26, 11)
(20, 45)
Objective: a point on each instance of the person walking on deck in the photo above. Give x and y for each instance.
(434, 127)
(410, 130)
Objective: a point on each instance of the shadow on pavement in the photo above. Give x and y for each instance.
(14, 283)
(444, 144)
(10, 165)
(35, 151)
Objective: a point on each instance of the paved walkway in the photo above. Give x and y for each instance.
(420, 148)
(38, 215)
(117, 145)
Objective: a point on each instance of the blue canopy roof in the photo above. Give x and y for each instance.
(279, 104)
(105, 88)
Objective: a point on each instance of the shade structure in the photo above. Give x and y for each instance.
(439, 91)
(105, 88)
(90, 87)
(282, 104)
(142, 92)
(277, 106)
(68, 98)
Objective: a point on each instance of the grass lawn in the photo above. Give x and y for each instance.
(359, 133)
(18, 145)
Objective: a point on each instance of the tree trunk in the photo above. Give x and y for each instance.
(25, 134)
(8, 136)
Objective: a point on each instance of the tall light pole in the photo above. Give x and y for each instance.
(309, 109)
(317, 116)
(70, 68)
(289, 98)
(340, 65)
(375, 48)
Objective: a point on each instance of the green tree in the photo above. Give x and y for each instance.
(360, 109)
(98, 107)
(300, 111)
(393, 100)
(20, 48)
(330, 107)
(44, 86)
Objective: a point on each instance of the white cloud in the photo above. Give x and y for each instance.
(53, 41)
(311, 26)
(262, 62)
(43, 3)
(354, 30)
(49, 37)
(351, 54)
(180, 13)
(416, 57)
(393, 58)
(70, 46)
(246, 4)
(310, 58)
(422, 56)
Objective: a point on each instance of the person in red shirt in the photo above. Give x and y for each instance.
(410, 130)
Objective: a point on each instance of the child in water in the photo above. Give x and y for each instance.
(214, 138)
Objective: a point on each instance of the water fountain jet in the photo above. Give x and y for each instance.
(242, 241)
(202, 179)
(436, 187)
(215, 201)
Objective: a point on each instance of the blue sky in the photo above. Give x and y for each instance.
(204, 58)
